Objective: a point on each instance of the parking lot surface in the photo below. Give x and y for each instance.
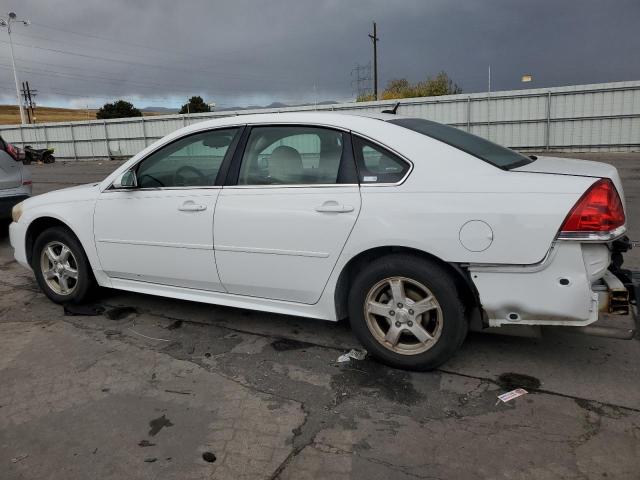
(137, 386)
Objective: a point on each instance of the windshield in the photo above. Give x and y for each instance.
(490, 152)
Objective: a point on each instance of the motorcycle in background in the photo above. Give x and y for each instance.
(44, 155)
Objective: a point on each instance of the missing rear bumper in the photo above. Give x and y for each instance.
(621, 298)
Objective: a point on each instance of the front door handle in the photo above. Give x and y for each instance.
(191, 206)
(334, 207)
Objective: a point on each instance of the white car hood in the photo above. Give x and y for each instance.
(572, 166)
(77, 193)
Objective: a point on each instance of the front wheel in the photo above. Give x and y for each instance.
(406, 311)
(61, 266)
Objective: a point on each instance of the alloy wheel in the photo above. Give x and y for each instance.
(403, 315)
(59, 268)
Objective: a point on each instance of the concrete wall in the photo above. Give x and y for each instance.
(582, 118)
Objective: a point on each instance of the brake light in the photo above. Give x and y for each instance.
(599, 210)
(11, 150)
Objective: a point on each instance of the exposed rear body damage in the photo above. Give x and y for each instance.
(576, 281)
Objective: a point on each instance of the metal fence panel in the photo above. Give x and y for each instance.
(598, 117)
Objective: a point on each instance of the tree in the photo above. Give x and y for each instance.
(118, 109)
(430, 87)
(365, 97)
(441, 85)
(398, 88)
(195, 105)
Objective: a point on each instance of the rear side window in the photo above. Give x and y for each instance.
(377, 164)
(293, 155)
(496, 155)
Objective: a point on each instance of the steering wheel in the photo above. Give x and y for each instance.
(178, 179)
(142, 181)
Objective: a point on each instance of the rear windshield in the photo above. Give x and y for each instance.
(490, 152)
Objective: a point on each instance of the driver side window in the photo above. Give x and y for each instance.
(193, 161)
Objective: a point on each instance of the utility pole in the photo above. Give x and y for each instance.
(6, 22)
(32, 102)
(374, 38)
(26, 101)
(29, 96)
(315, 96)
(489, 105)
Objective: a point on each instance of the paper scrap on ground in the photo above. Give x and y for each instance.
(352, 354)
(505, 397)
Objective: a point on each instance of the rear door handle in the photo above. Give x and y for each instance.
(334, 207)
(191, 206)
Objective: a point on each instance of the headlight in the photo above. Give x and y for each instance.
(16, 212)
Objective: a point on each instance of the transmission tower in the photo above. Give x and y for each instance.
(361, 79)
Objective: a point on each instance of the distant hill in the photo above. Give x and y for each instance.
(9, 114)
(275, 105)
(160, 110)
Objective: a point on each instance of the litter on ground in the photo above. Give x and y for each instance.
(352, 354)
(505, 397)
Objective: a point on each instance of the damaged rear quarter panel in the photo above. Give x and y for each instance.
(536, 294)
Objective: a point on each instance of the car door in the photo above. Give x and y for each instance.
(162, 231)
(280, 228)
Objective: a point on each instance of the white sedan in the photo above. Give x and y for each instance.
(412, 229)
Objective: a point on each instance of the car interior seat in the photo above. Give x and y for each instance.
(285, 165)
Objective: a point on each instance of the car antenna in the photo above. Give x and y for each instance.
(393, 110)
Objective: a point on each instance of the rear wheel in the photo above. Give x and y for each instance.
(406, 311)
(61, 266)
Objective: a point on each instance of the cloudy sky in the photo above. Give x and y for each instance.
(250, 52)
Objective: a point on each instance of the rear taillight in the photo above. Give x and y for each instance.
(599, 210)
(13, 151)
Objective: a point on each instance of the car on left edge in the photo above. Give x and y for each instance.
(15, 179)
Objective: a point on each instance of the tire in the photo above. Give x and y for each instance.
(423, 339)
(4, 227)
(61, 266)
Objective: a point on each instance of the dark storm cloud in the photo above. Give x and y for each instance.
(244, 52)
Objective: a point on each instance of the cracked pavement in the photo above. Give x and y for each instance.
(146, 387)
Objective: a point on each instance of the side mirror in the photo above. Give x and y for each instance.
(126, 180)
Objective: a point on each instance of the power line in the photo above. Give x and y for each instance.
(96, 57)
(55, 40)
(66, 93)
(129, 54)
(120, 80)
(107, 80)
(112, 40)
(140, 64)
